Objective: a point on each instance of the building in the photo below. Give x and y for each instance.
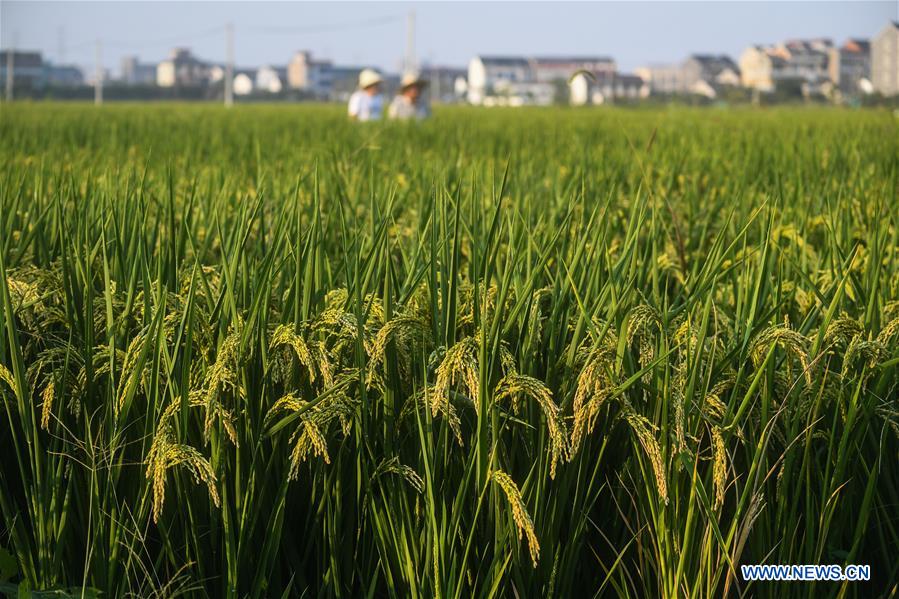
(521, 94)
(447, 84)
(270, 79)
(849, 65)
(29, 70)
(549, 69)
(344, 80)
(322, 79)
(486, 74)
(310, 75)
(885, 60)
(32, 72)
(801, 62)
(518, 80)
(216, 73)
(666, 79)
(706, 74)
(606, 88)
(182, 68)
(759, 66)
(64, 76)
(806, 60)
(699, 74)
(243, 84)
(135, 72)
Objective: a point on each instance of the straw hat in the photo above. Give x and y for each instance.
(410, 79)
(369, 77)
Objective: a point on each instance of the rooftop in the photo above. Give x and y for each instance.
(23, 59)
(567, 60)
(813, 46)
(715, 62)
(604, 77)
(509, 61)
(857, 45)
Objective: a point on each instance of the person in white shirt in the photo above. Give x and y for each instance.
(410, 102)
(367, 103)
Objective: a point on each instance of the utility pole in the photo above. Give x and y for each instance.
(410, 42)
(229, 65)
(98, 74)
(10, 66)
(433, 76)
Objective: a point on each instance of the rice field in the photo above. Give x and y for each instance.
(503, 353)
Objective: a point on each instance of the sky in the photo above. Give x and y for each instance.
(446, 33)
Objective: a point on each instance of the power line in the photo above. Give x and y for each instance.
(10, 66)
(410, 65)
(190, 36)
(374, 22)
(168, 40)
(229, 65)
(150, 43)
(65, 48)
(98, 73)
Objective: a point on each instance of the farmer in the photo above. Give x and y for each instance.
(410, 102)
(367, 103)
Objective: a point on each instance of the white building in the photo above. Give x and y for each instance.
(760, 67)
(663, 78)
(548, 69)
(270, 79)
(519, 80)
(488, 73)
(135, 72)
(446, 84)
(181, 68)
(700, 74)
(706, 74)
(849, 65)
(805, 62)
(525, 93)
(243, 82)
(216, 73)
(310, 75)
(606, 88)
(885, 60)
(460, 87)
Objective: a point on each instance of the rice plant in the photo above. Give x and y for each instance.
(534, 353)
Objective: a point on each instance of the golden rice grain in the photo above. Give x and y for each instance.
(519, 512)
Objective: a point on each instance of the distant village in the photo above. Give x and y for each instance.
(810, 69)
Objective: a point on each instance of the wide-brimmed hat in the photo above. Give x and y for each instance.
(369, 77)
(410, 79)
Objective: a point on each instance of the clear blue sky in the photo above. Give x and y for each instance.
(634, 33)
